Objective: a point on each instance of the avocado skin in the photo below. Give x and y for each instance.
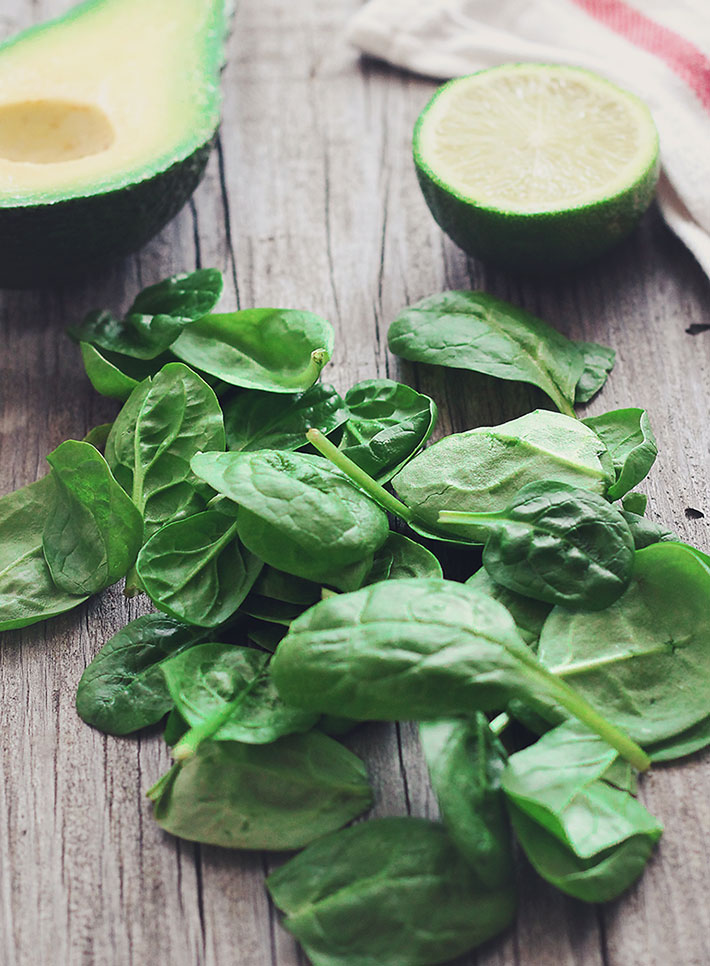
(43, 245)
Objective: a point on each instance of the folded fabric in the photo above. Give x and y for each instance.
(658, 50)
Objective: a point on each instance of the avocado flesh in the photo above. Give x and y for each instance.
(107, 116)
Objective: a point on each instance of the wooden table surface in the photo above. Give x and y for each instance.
(311, 202)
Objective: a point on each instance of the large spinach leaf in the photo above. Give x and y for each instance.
(419, 649)
(556, 543)
(474, 330)
(166, 420)
(387, 423)
(266, 420)
(465, 763)
(644, 662)
(224, 692)
(196, 569)
(277, 796)
(27, 592)
(156, 318)
(385, 893)
(629, 439)
(93, 530)
(123, 689)
(484, 468)
(298, 514)
(280, 350)
(581, 832)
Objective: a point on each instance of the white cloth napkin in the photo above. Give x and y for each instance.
(659, 49)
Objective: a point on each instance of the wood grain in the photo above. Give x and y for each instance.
(311, 202)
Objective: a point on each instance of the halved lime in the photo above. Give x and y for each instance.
(536, 166)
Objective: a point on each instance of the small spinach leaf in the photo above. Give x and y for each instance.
(485, 467)
(586, 836)
(94, 530)
(474, 330)
(280, 350)
(265, 420)
(123, 690)
(277, 796)
(287, 588)
(598, 363)
(556, 543)
(224, 692)
(400, 558)
(645, 532)
(106, 377)
(196, 569)
(635, 503)
(387, 423)
(387, 892)
(27, 592)
(156, 318)
(296, 513)
(631, 444)
(634, 659)
(465, 763)
(166, 420)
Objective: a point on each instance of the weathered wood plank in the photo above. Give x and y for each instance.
(311, 202)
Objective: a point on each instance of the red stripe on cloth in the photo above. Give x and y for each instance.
(689, 63)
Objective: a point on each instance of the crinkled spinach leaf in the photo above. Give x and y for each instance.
(629, 439)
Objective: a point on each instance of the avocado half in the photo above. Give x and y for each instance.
(107, 118)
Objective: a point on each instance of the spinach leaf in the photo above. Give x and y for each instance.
(556, 543)
(265, 634)
(485, 467)
(224, 692)
(632, 446)
(106, 377)
(98, 435)
(285, 587)
(196, 569)
(297, 514)
(27, 592)
(465, 763)
(271, 610)
(280, 350)
(156, 318)
(265, 420)
(93, 531)
(400, 558)
(529, 615)
(387, 423)
(582, 833)
(277, 796)
(645, 532)
(123, 689)
(385, 893)
(166, 420)
(685, 743)
(474, 330)
(635, 503)
(598, 363)
(636, 658)
(416, 650)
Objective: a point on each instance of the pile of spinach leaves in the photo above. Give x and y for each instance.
(249, 502)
